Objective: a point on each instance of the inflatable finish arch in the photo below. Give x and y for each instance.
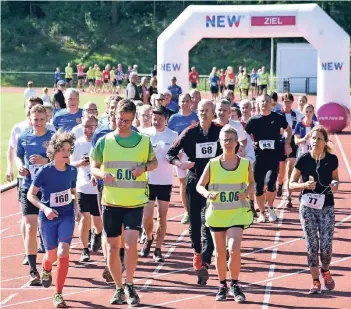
(259, 21)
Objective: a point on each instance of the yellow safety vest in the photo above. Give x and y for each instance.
(227, 210)
(244, 82)
(263, 77)
(127, 190)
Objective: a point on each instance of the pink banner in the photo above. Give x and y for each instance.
(261, 21)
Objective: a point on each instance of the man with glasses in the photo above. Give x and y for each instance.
(66, 119)
(89, 109)
(145, 118)
(87, 189)
(178, 123)
(195, 99)
(59, 98)
(122, 158)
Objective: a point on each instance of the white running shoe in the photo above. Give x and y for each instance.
(272, 217)
(261, 218)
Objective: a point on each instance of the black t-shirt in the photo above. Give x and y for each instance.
(198, 147)
(60, 99)
(308, 167)
(266, 132)
(154, 73)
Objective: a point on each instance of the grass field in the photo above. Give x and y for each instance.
(12, 112)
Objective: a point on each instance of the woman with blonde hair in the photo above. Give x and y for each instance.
(230, 181)
(319, 171)
(230, 79)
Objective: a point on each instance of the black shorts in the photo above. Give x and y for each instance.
(263, 87)
(160, 192)
(265, 171)
(89, 203)
(27, 207)
(106, 81)
(224, 229)
(80, 77)
(68, 80)
(292, 155)
(120, 82)
(113, 218)
(114, 83)
(231, 87)
(91, 80)
(214, 89)
(19, 184)
(253, 85)
(221, 88)
(56, 81)
(193, 85)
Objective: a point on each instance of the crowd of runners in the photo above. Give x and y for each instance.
(232, 159)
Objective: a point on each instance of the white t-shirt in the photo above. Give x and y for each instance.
(239, 128)
(250, 151)
(46, 98)
(82, 149)
(161, 142)
(78, 131)
(29, 92)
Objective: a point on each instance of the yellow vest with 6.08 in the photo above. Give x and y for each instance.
(126, 190)
(227, 210)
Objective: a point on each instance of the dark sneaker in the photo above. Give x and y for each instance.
(202, 275)
(85, 256)
(34, 278)
(222, 293)
(316, 287)
(58, 301)
(118, 298)
(25, 260)
(237, 293)
(46, 278)
(145, 249)
(158, 257)
(107, 275)
(96, 242)
(41, 249)
(289, 203)
(329, 282)
(132, 296)
(280, 190)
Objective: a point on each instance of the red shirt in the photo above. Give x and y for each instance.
(193, 77)
(106, 75)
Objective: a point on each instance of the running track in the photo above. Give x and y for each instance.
(274, 273)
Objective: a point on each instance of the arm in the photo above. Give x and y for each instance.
(295, 185)
(251, 185)
(10, 159)
(203, 181)
(335, 177)
(299, 139)
(32, 197)
(77, 213)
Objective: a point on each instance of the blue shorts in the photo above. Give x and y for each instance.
(59, 229)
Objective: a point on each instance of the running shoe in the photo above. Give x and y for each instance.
(272, 217)
(118, 298)
(107, 275)
(46, 278)
(34, 278)
(132, 296)
(222, 293)
(289, 203)
(316, 287)
(85, 256)
(158, 256)
(202, 274)
(145, 249)
(185, 219)
(237, 293)
(197, 261)
(280, 190)
(261, 218)
(25, 260)
(41, 248)
(58, 301)
(329, 282)
(96, 242)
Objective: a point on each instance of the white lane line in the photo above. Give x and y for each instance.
(274, 253)
(343, 154)
(276, 238)
(281, 217)
(8, 298)
(168, 254)
(4, 230)
(10, 236)
(8, 216)
(267, 295)
(271, 270)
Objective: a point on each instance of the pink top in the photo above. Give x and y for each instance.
(80, 70)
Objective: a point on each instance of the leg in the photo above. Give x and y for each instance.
(219, 239)
(182, 193)
(113, 259)
(326, 224)
(162, 222)
(30, 243)
(84, 227)
(207, 241)
(62, 265)
(259, 172)
(290, 167)
(234, 243)
(148, 219)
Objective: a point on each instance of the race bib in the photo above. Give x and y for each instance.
(33, 169)
(213, 84)
(206, 150)
(59, 199)
(266, 144)
(313, 200)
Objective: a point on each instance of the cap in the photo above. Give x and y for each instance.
(160, 96)
(61, 82)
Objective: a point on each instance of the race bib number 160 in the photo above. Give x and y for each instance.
(59, 199)
(206, 150)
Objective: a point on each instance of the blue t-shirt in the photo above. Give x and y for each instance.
(253, 78)
(66, 121)
(213, 80)
(57, 76)
(103, 120)
(179, 122)
(58, 191)
(29, 144)
(176, 92)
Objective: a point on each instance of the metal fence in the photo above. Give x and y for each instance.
(307, 85)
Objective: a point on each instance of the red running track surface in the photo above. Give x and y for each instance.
(273, 274)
